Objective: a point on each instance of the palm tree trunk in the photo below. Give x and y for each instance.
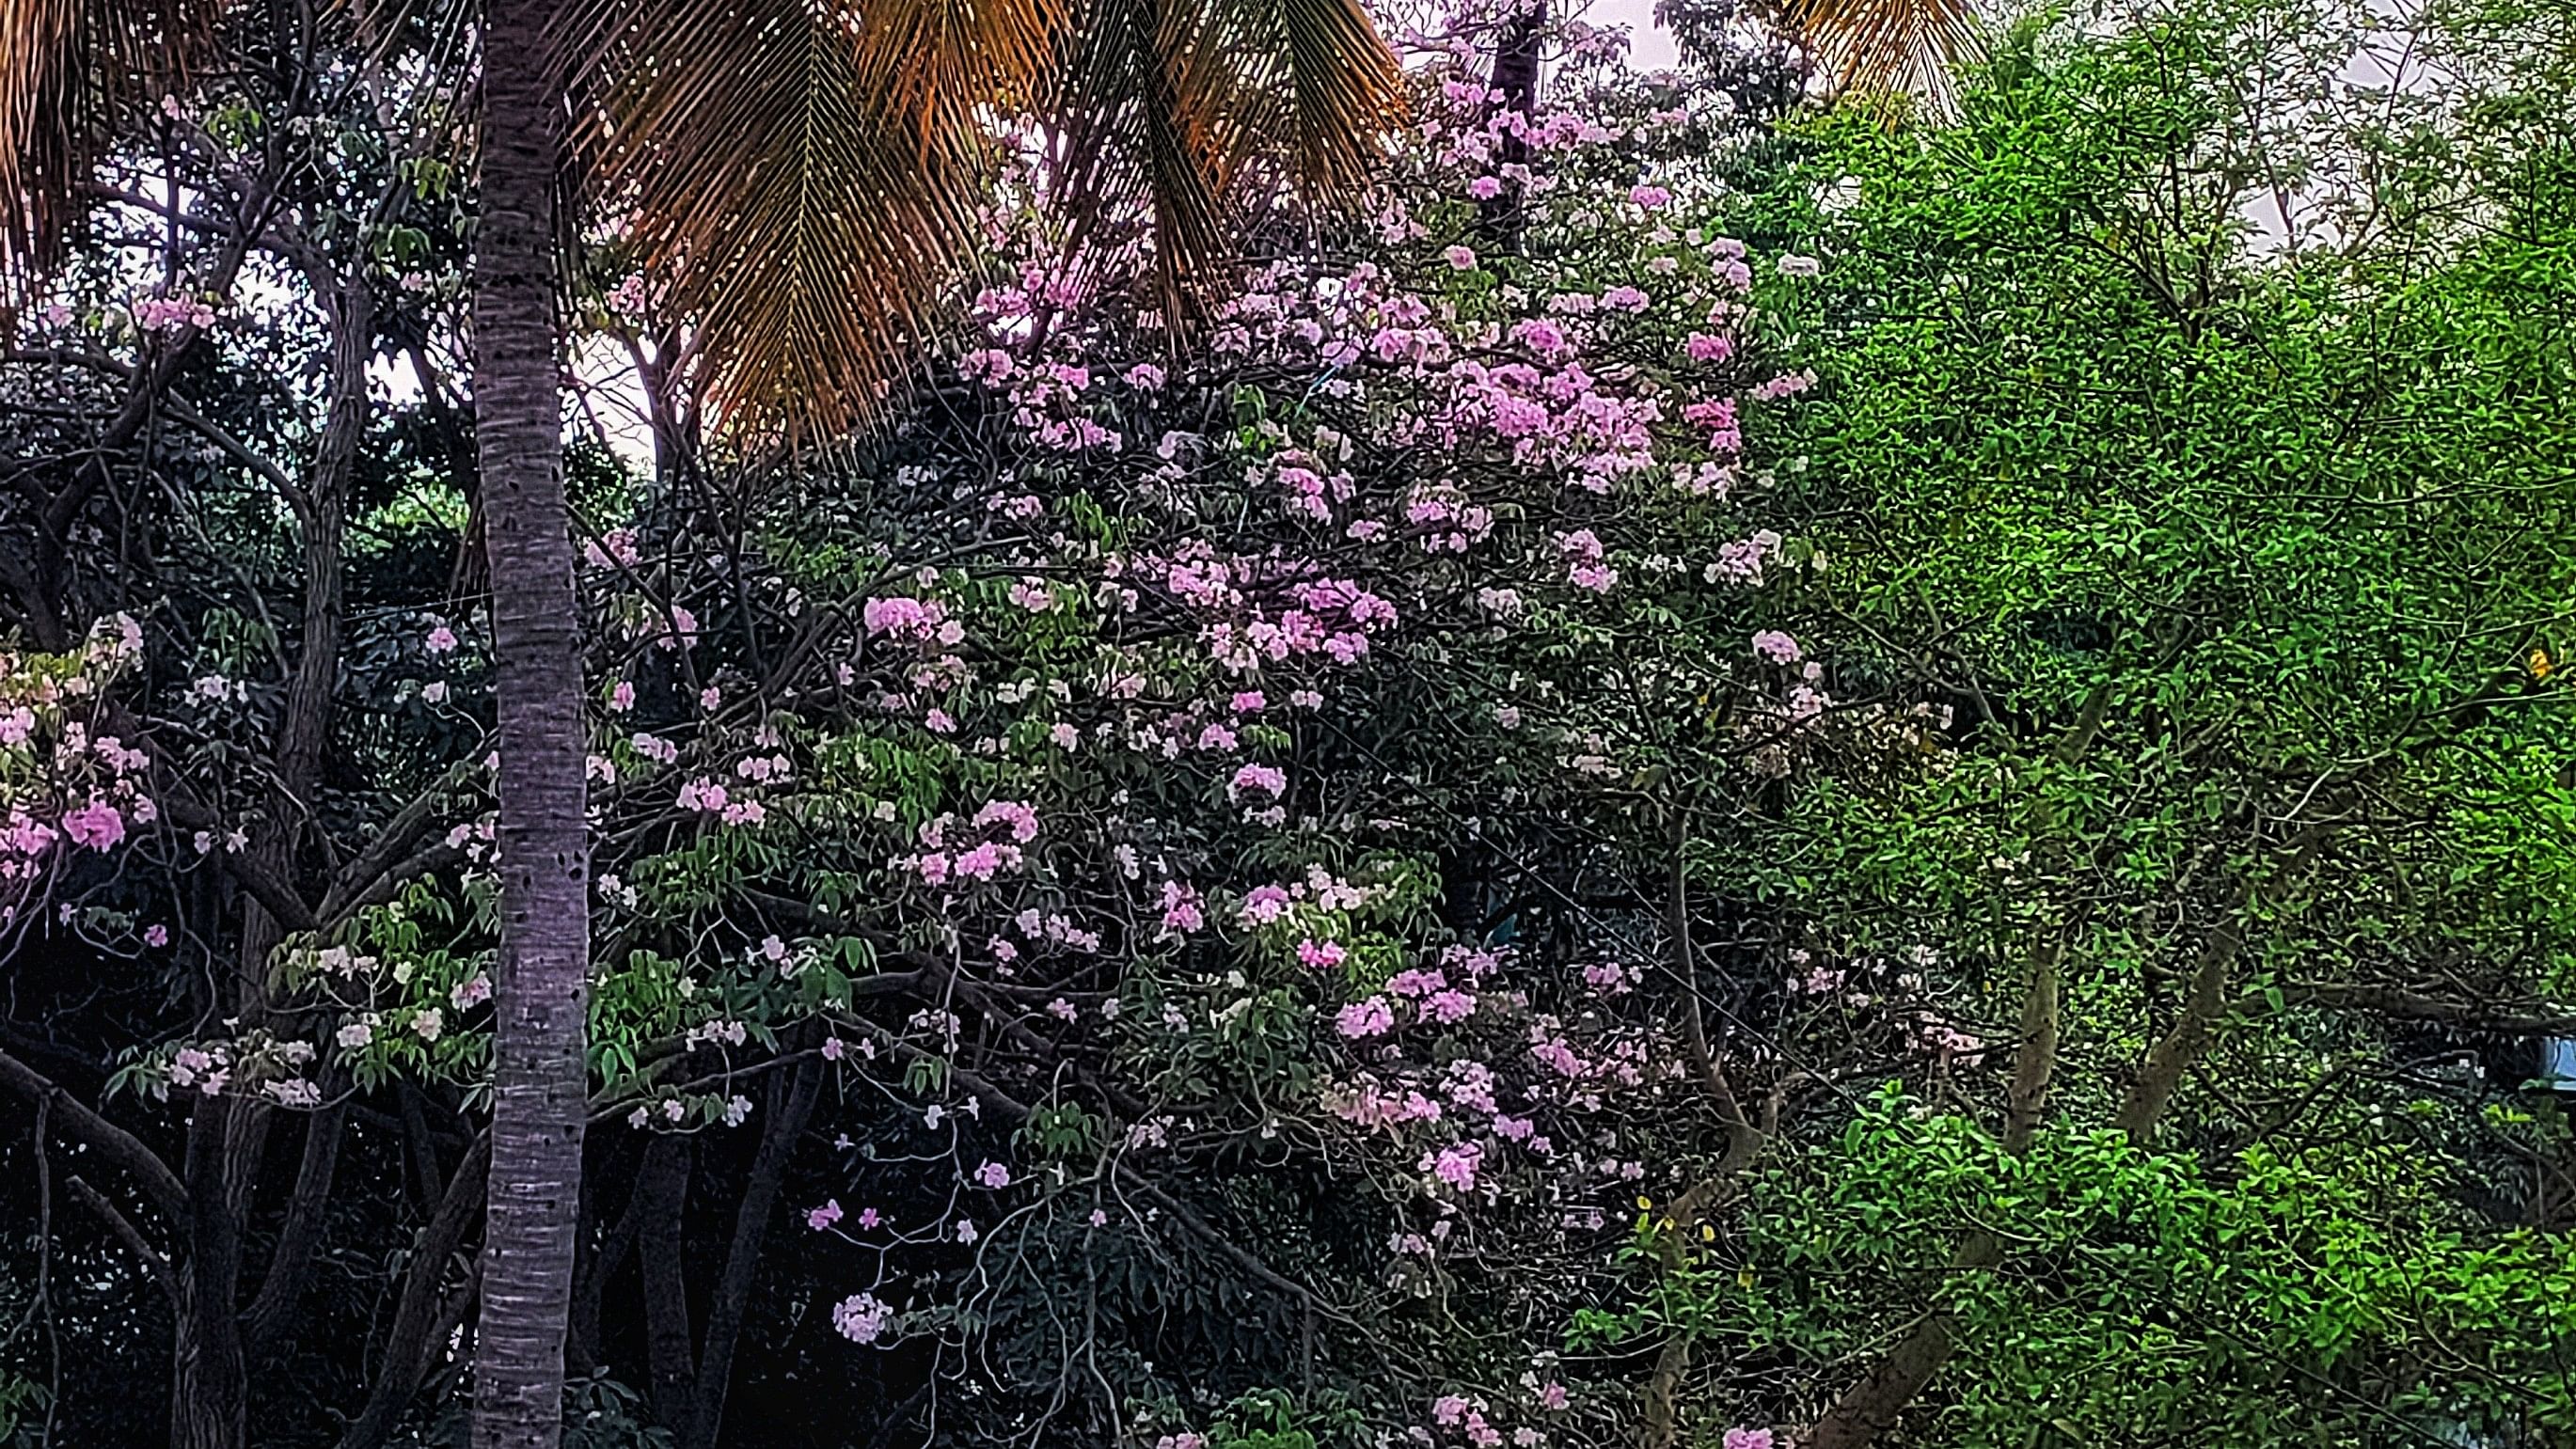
(539, 1080)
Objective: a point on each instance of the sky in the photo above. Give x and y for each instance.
(1650, 47)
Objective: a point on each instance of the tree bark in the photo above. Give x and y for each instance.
(542, 992)
(582, 1353)
(670, 1357)
(290, 1264)
(2161, 1072)
(1516, 67)
(209, 1383)
(790, 1103)
(1660, 1425)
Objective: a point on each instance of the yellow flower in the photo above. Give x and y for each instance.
(2540, 665)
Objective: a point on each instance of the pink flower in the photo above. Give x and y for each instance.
(1450, 1007)
(1552, 1396)
(1460, 258)
(992, 366)
(1448, 1409)
(1652, 198)
(1181, 908)
(1624, 298)
(1372, 1017)
(860, 1318)
(1264, 904)
(441, 640)
(1321, 955)
(622, 698)
(1706, 347)
(993, 1175)
(823, 1217)
(1777, 647)
(1485, 188)
(1268, 779)
(1145, 377)
(1456, 1165)
(1747, 1439)
(1540, 336)
(96, 825)
(1022, 821)
(156, 936)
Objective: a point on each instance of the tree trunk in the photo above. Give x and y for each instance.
(541, 996)
(208, 1399)
(670, 1356)
(790, 1103)
(209, 1389)
(418, 1309)
(1516, 67)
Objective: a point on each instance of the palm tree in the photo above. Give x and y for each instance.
(540, 1075)
(803, 181)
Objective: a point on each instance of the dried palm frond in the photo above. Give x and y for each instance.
(1163, 102)
(945, 65)
(69, 70)
(802, 198)
(1141, 136)
(1903, 46)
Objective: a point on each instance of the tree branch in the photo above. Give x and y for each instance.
(108, 1140)
(128, 1234)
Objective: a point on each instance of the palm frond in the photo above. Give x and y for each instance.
(70, 71)
(1902, 46)
(775, 195)
(1163, 104)
(1328, 85)
(1141, 137)
(939, 63)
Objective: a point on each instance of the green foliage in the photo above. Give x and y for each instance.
(2223, 542)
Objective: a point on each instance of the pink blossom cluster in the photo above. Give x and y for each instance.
(946, 859)
(168, 314)
(912, 621)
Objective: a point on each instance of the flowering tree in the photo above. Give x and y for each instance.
(1601, 827)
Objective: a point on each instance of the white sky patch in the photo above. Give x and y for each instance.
(1650, 46)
